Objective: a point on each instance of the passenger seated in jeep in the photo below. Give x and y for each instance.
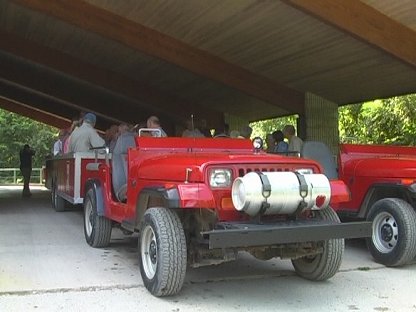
(154, 123)
(295, 143)
(85, 137)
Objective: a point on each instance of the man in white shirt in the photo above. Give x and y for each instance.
(191, 132)
(58, 147)
(154, 123)
(295, 143)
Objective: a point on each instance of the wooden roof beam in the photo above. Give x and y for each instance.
(157, 44)
(54, 103)
(42, 102)
(49, 104)
(68, 65)
(365, 23)
(34, 113)
(49, 86)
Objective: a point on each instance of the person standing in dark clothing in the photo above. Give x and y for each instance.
(26, 155)
(281, 146)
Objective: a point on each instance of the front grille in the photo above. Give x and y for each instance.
(258, 168)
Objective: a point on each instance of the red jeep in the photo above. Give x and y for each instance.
(382, 181)
(199, 201)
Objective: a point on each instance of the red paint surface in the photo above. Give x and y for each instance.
(163, 162)
(362, 166)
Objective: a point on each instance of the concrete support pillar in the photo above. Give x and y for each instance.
(321, 121)
(235, 122)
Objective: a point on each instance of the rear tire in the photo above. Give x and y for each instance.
(58, 203)
(324, 265)
(393, 242)
(97, 229)
(162, 252)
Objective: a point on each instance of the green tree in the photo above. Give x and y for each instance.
(263, 127)
(15, 131)
(389, 121)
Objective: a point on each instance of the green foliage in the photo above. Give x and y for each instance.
(15, 131)
(389, 121)
(263, 127)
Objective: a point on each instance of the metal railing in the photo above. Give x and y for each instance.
(13, 176)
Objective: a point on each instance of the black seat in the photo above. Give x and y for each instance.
(320, 152)
(119, 164)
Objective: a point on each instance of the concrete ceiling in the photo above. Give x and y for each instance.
(126, 60)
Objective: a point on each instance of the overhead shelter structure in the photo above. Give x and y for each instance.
(240, 61)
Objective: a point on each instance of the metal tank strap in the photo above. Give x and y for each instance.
(266, 191)
(303, 192)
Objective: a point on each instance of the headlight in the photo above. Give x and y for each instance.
(257, 143)
(304, 171)
(220, 178)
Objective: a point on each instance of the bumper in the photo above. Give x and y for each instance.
(234, 235)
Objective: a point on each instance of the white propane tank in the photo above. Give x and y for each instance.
(284, 196)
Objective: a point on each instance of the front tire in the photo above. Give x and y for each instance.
(393, 242)
(324, 265)
(97, 229)
(162, 252)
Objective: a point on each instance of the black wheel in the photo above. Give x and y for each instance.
(324, 265)
(97, 229)
(393, 242)
(58, 203)
(162, 252)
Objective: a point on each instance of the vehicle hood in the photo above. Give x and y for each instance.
(382, 167)
(173, 167)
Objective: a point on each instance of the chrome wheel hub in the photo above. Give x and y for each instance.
(149, 251)
(385, 232)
